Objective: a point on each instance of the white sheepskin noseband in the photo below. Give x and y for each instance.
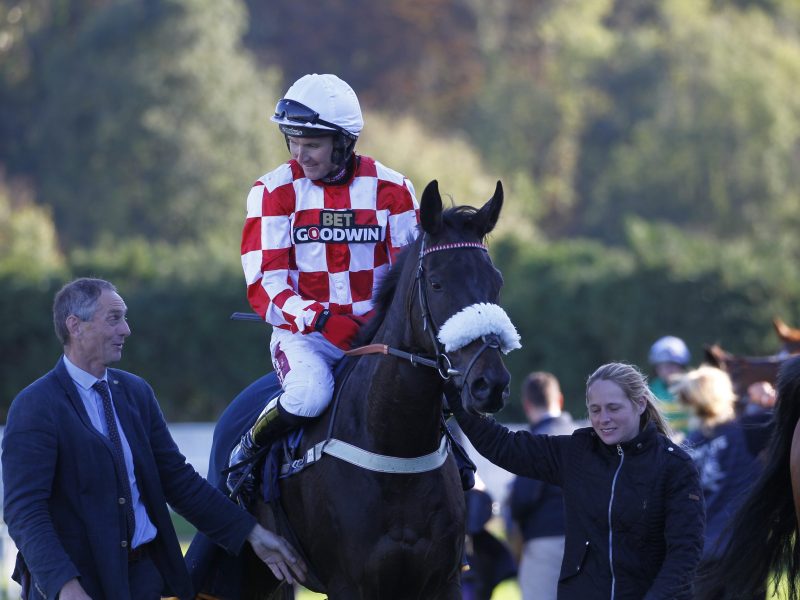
(474, 322)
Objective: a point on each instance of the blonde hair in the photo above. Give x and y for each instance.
(709, 392)
(633, 384)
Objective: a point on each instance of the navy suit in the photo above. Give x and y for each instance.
(62, 496)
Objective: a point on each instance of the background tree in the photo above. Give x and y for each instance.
(149, 115)
(648, 150)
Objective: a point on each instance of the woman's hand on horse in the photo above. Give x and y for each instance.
(277, 554)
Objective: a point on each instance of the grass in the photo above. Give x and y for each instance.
(508, 590)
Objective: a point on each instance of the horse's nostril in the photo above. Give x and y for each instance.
(506, 393)
(479, 387)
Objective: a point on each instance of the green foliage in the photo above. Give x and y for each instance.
(153, 117)
(715, 149)
(182, 341)
(577, 304)
(28, 345)
(647, 148)
(28, 244)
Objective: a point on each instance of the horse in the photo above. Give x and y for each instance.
(789, 336)
(768, 520)
(744, 370)
(388, 520)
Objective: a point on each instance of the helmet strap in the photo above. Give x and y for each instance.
(342, 175)
(342, 149)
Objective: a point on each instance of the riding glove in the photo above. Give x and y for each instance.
(339, 330)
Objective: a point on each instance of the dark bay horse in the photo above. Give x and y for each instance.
(789, 336)
(765, 531)
(369, 534)
(746, 370)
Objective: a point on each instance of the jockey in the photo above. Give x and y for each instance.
(321, 231)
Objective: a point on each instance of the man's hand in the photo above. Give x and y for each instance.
(277, 554)
(73, 590)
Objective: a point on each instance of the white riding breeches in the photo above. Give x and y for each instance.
(304, 364)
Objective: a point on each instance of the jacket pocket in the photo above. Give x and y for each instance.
(574, 559)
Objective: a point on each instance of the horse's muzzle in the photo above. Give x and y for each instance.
(485, 383)
(489, 395)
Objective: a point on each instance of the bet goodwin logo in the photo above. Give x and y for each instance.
(339, 227)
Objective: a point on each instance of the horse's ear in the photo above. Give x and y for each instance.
(486, 217)
(715, 355)
(430, 209)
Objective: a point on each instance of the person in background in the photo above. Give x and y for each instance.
(633, 504)
(537, 508)
(761, 397)
(89, 467)
(321, 231)
(725, 451)
(489, 559)
(670, 357)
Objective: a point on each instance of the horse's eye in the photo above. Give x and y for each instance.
(437, 287)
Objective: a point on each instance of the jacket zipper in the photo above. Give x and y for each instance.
(610, 533)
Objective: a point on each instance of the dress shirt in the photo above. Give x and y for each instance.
(145, 531)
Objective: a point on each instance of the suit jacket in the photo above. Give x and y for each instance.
(62, 491)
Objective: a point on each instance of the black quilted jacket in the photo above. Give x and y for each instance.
(634, 512)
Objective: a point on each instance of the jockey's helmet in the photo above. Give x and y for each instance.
(669, 349)
(318, 105)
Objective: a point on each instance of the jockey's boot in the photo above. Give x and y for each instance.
(272, 423)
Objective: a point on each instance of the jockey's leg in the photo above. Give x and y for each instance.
(304, 366)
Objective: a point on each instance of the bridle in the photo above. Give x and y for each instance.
(442, 362)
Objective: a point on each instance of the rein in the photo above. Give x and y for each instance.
(414, 359)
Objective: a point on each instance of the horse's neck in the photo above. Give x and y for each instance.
(399, 404)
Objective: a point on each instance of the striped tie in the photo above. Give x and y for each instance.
(101, 387)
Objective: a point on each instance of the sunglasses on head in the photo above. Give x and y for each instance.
(291, 110)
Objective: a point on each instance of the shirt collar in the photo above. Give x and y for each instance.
(81, 377)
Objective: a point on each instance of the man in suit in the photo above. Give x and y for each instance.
(89, 467)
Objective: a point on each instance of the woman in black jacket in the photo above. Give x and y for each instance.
(632, 499)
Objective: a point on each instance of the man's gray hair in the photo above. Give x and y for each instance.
(77, 298)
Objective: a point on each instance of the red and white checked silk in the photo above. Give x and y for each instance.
(307, 246)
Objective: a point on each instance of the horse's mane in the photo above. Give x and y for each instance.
(766, 519)
(385, 294)
(459, 218)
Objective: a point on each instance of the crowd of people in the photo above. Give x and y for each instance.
(633, 505)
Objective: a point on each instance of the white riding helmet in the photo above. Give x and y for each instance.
(669, 349)
(322, 104)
